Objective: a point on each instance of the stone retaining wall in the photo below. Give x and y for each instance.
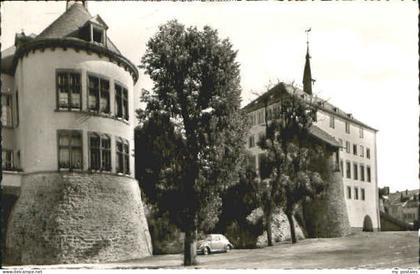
(77, 218)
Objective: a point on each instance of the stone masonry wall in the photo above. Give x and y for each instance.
(77, 218)
(280, 227)
(327, 217)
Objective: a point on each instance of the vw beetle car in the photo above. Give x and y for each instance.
(213, 243)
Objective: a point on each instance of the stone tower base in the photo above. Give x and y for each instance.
(327, 217)
(77, 218)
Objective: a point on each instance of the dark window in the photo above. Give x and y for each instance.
(251, 141)
(361, 132)
(356, 193)
(341, 167)
(368, 173)
(7, 159)
(69, 90)
(347, 146)
(341, 144)
(354, 149)
(95, 151)
(122, 150)
(368, 153)
(362, 192)
(97, 35)
(106, 153)
(99, 95)
(332, 121)
(6, 110)
(347, 127)
(93, 93)
(17, 107)
(355, 177)
(348, 170)
(104, 98)
(121, 102)
(348, 192)
(70, 149)
(362, 173)
(100, 152)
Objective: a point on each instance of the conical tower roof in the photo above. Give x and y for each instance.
(69, 25)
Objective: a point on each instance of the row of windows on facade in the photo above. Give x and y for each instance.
(356, 193)
(356, 169)
(258, 117)
(70, 152)
(346, 126)
(252, 143)
(252, 161)
(409, 216)
(69, 95)
(356, 151)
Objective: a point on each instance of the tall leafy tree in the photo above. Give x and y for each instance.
(287, 170)
(196, 83)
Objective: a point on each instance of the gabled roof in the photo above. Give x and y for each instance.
(99, 21)
(323, 136)
(273, 96)
(69, 24)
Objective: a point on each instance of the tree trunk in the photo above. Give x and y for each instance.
(190, 247)
(268, 217)
(289, 215)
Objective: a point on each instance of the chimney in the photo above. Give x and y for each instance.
(80, 2)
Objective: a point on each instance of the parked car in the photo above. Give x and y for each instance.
(213, 243)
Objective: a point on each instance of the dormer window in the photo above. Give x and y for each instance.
(98, 35)
(94, 31)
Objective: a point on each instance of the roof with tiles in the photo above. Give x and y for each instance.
(69, 24)
(273, 96)
(404, 197)
(71, 29)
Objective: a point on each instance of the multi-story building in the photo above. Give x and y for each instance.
(69, 192)
(357, 155)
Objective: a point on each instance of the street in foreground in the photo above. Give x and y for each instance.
(362, 250)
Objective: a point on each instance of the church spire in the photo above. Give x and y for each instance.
(307, 75)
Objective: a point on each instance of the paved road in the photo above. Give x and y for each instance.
(362, 250)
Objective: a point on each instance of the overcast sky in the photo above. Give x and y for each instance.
(364, 55)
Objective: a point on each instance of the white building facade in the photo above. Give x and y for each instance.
(68, 118)
(357, 155)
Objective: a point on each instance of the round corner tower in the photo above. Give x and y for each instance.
(78, 200)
